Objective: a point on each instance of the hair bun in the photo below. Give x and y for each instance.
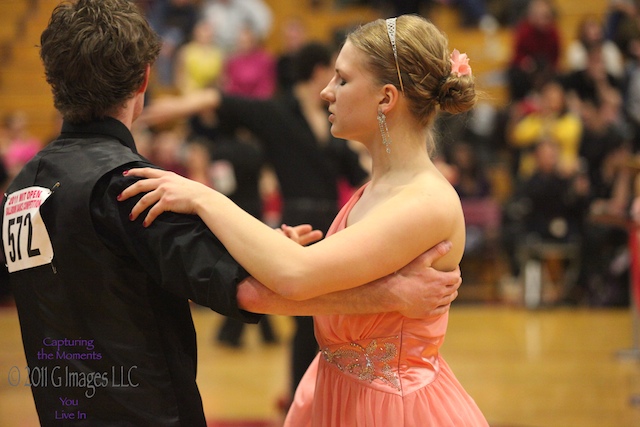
(457, 94)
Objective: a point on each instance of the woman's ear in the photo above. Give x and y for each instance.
(389, 98)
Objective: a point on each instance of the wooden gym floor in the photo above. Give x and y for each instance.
(556, 367)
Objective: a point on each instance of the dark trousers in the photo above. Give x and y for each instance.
(231, 331)
(304, 349)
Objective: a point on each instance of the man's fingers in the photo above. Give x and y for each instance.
(436, 252)
(441, 309)
(306, 234)
(443, 247)
(456, 284)
(300, 229)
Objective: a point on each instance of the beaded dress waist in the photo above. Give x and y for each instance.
(396, 364)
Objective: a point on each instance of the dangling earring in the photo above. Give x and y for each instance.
(384, 130)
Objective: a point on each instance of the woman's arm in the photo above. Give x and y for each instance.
(416, 291)
(386, 239)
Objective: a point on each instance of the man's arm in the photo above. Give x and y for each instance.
(179, 254)
(416, 291)
(174, 107)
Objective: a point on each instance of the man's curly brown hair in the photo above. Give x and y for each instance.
(95, 53)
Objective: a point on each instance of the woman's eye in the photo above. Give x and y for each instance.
(342, 82)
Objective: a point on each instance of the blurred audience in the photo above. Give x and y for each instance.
(547, 207)
(18, 145)
(199, 62)
(604, 274)
(473, 13)
(544, 115)
(592, 83)
(228, 18)
(470, 177)
(536, 49)
(174, 21)
(622, 24)
(250, 70)
(631, 97)
(591, 36)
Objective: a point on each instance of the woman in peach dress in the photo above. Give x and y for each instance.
(373, 370)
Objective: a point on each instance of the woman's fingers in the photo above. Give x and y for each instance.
(150, 199)
(153, 213)
(146, 172)
(149, 186)
(143, 185)
(163, 191)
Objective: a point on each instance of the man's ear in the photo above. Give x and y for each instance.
(389, 96)
(145, 82)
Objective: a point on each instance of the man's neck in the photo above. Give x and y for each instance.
(130, 112)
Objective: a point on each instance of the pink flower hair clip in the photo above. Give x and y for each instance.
(460, 63)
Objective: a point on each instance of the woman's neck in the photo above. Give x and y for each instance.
(407, 156)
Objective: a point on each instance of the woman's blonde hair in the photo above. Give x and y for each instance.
(423, 63)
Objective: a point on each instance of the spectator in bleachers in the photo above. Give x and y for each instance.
(250, 70)
(603, 279)
(604, 149)
(547, 207)
(622, 22)
(536, 49)
(508, 12)
(17, 147)
(545, 116)
(472, 12)
(20, 146)
(229, 17)
(167, 150)
(631, 93)
(470, 178)
(556, 201)
(591, 36)
(199, 62)
(174, 21)
(592, 83)
(604, 129)
(468, 175)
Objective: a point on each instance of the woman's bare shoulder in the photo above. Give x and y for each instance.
(433, 188)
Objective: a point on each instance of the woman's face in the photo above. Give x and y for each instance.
(553, 97)
(352, 97)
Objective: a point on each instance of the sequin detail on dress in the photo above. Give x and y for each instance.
(366, 363)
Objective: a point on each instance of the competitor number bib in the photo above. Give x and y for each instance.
(25, 237)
